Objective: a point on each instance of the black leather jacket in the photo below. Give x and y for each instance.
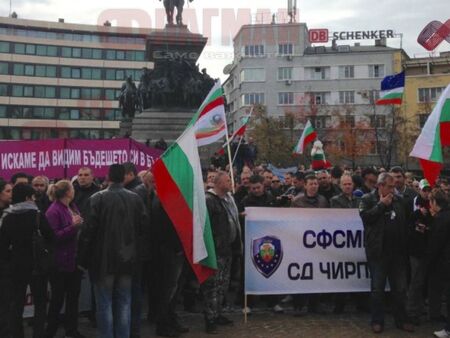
(385, 227)
(342, 202)
(109, 242)
(438, 255)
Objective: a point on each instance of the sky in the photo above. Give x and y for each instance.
(407, 17)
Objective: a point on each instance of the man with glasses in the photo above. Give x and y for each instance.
(385, 233)
(276, 188)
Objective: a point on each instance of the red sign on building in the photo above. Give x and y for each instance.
(318, 35)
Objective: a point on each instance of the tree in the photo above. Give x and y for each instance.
(348, 140)
(269, 135)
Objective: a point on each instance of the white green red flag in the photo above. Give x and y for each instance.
(179, 185)
(392, 88)
(211, 123)
(308, 136)
(238, 132)
(435, 135)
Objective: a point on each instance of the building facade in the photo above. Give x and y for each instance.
(61, 80)
(276, 66)
(426, 79)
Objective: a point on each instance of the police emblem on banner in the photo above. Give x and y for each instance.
(267, 254)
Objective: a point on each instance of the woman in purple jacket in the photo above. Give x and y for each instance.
(65, 220)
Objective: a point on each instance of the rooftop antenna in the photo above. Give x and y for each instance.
(292, 10)
(10, 7)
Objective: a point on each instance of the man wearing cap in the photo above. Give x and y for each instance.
(417, 245)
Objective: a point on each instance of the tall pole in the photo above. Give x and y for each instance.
(230, 163)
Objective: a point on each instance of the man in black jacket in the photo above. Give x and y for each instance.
(326, 187)
(40, 186)
(5, 273)
(226, 232)
(385, 233)
(131, 180)
(85, 187)
(109, 247)
(438, 254)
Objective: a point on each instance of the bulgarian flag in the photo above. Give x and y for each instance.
(308, 136)
(179, 183)
(435, 135)
(211, 123)
(392, 88)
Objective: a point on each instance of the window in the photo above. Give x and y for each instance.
(120, 74)
(19, 69)
(29, 70)
(254, 50)
(285, 49)
(347, 97)
(319, 122)
(50, 92)
(74, 114)
(110, 74)
(253, 74)
(52, 51)
(41, 50)
(66, 72)
(376, 70)
(64, 93)
(317, 98)
(3, 90)
(86, 73)
(96, 53)
(430, 94)
(19, 48)
(4, 47)
(4, 68)
(86, 53)
(50, 71)
(39, 91)
(30, 49)
(96, 94)
(85, 93)
(120, 55)
(374, 95)
(111, 94)
(96, 74)
(66, 52)
(139, 56)
(28, 91)
(74, 93)
(76, 73)
(252, 98)
(285, 98)
(76, 52)
(346, 72)
(110, 55)
(3, 113)
(318, 73)
(17, 91)
(284, 73)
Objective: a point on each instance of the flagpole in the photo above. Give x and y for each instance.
(237, 149)
(230, 163)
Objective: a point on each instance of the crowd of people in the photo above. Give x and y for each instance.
(116, 234)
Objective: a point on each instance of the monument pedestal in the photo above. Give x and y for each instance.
(156, 123)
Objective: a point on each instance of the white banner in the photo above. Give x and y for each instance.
(294, 251)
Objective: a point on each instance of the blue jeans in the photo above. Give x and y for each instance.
(113, 296)
(392, 268)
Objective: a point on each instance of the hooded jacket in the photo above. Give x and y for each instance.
(19, 222)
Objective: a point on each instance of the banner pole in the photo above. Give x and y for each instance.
(233, 187)
(245, 308)
(237, 149)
